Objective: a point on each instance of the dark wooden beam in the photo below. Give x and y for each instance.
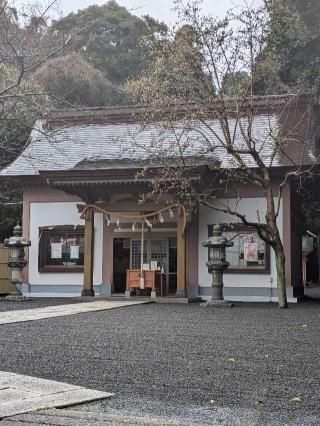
(181, 256)
(88, 254)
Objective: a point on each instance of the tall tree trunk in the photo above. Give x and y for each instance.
(276, 245)
(281, 275)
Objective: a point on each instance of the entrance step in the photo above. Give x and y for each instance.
(180, 300)
(163, 300)
(121, 297)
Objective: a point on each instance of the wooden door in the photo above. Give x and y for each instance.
(5, 271)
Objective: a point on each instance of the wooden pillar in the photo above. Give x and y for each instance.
(181, 256)
(292, 239)
(88, 254)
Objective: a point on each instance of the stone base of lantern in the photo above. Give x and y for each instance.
(15, 292)
(218, 303)
(127, 294)
(17, 298)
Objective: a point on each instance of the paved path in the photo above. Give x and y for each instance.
(63, 310)
(84, 418)
(23, 394)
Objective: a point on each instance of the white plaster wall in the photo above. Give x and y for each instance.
(53, 214)
(249, 207)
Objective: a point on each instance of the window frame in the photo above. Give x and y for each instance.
(58, 230)
(243, 229)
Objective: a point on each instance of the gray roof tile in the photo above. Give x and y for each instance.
(110, 146)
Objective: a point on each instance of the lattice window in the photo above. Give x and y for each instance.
(154, 250)
(136, 253)
(159, 252)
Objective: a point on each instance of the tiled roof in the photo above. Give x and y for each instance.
(114, 145)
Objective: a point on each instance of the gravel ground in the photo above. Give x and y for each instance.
(182, 361)
(11, 305)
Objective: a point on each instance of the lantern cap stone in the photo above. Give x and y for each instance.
(217, 240)
(17, 240)
(217, 229)
(17, 230)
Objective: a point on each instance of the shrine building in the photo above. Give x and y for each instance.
(81, 212)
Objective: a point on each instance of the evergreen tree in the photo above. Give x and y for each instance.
(294, 41)
(112, 39)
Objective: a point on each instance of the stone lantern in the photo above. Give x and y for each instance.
(17, 261)
(217, 264)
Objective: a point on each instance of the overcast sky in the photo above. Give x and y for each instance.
(159, 9)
